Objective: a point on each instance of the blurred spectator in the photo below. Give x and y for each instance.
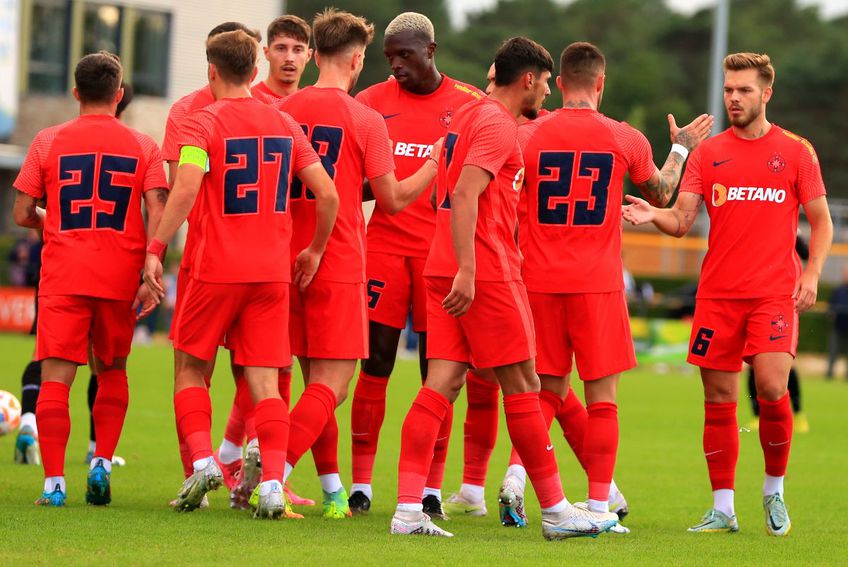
(838, 312)
(25, 260)
(170, 302)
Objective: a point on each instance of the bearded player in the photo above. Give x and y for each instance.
(753, 177)
(417, 104)
(240, 274)
(477, 308)
(93, 173)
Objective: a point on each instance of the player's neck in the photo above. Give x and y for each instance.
(429, 85)
(510, 98)
(756, 129)
(280, 88)
(223, 89)
(333, 78)
(97, 109)
(579, 102)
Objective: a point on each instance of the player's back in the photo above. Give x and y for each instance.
(570, 222)
(344, 132)
(242, 209)
(93, 171)
(414, 123)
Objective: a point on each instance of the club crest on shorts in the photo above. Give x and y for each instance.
(445, 117)
(776, 163)
(779, 327)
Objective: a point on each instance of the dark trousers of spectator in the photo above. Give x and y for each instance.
(837, 345)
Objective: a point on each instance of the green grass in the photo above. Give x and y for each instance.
(660, 469)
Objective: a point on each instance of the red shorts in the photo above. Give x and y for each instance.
(329, 320)
(593, 328)
(396, 283)
(182, 280)
(727, 331)
(66, 324)
(258, 314)
(497, 330)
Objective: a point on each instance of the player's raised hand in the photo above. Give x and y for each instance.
(153, 276)
(638, 211)
(145, 298)
(458, 301)
(806, 290)
(693, 133)
(305, 267)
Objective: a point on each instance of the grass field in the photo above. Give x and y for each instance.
(660, 470)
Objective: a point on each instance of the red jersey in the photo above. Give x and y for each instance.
(353, 144)
(92, 172)
(261, 91)
(171, 146)
(482, 134)
(570, 221)
(414, 122)
(243, 223)
(752, 190)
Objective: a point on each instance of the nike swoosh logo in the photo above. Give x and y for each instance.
(713, 453)
(549, 448)
(774, 526)
(387, 116)
(775, 337)
(722, 162)
(773, 444)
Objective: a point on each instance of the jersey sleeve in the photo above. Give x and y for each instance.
(810, 184)
(491, 144)
(30, 179)
(170, 144)
(154, 177)
(303, 154)
(637, 150)
(365, 97)
(378, 150)
(196, 130)
(692, 182)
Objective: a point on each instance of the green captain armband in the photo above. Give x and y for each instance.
(196, 156)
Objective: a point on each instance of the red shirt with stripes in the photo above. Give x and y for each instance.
(242, 210)
(570, 221)
(482, 134)
(752, 190)
(92, 171)
(353, 144)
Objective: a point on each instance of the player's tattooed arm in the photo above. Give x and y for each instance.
(26, 211)
(675, 221)
(154, 204)
(660, 187)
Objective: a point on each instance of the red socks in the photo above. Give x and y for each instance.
(481, 428)
(284, 385)
(530, 438)
(775, 433)
(109, 411)
(440, 452)
(418, 441)
(308, 419)
(721, 443)
(325, 450)
(272, 427)
(600, 448)
(573, 419)
(194, 418)
(234, 432)
(54, 426)
(366, 419)
(549, 404)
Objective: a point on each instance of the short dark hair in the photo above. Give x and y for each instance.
(234, 55)
(98, 77)
(234, 26)
(335, 31)
(289, 26)
(580, 64)
(518, 55)
(125, 100)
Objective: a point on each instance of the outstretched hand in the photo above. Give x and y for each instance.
(638, 211)
(693, 133)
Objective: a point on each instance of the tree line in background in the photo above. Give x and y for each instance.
(657, 59)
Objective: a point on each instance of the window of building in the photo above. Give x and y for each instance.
(48, 46)
(151, 40)
(101, 28)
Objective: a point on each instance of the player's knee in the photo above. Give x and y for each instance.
(771, 391)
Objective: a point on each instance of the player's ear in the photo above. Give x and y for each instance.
(431, 49)
(266, 51)
(767, 92)
(76, 94)
(211, 72)
(253, 75)
(309, 53)
(119, 95)
(559, 83)
(599, 83)
(529, 79)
